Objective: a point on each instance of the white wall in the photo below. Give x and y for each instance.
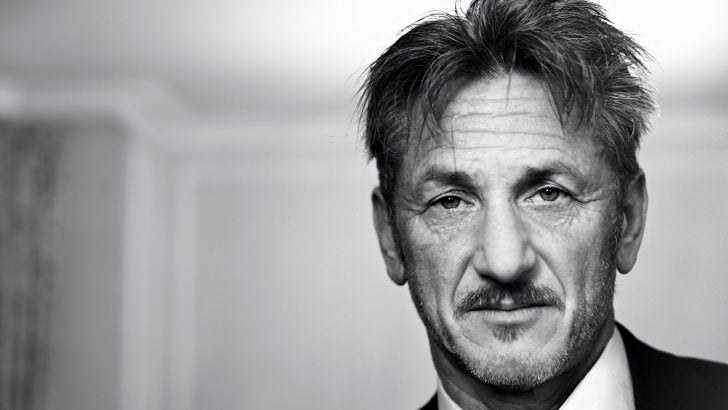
(86, 331)
(294, 308)
(676, 296)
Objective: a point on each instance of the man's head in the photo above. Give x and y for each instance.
(510, 193)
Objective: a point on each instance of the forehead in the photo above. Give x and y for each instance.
(511, 104)
(507, 120)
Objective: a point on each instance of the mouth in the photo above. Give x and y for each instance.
(510, 313)
(509, 305)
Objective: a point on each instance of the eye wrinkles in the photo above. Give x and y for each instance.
(447, 199)
(438, 179)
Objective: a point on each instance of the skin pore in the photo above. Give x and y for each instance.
(508, 229)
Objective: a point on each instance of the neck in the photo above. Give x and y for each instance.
(471, 393)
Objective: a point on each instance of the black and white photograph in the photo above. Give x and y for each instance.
(438, 204)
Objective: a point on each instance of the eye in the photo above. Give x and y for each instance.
(449, 202)
(549, 193)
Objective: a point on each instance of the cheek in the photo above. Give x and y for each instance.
(436, 265)
(574, 256)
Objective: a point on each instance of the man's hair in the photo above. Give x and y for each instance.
(592, 70)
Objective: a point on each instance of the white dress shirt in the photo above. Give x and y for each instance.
(607, 385)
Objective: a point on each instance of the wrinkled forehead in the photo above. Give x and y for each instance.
(494, 110)
(505, 103)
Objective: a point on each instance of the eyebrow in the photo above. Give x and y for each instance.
(538, 174)
(446, 176)
(552, 167)
(443, 175)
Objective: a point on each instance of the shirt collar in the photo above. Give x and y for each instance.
(607, 385)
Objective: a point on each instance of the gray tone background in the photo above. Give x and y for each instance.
(212, 234)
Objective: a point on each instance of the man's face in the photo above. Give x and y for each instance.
(506, 224)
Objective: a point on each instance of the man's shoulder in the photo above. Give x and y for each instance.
(662, 380)
(666, 381)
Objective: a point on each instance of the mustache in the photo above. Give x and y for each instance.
(494, 294)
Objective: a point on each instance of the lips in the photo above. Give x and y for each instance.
(509, 305)
(510, 314)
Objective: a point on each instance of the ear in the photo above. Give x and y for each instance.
(390, 252)
(634, 215)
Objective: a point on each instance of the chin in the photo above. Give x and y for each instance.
(513, 369)
(514, 355)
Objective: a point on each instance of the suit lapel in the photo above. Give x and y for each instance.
(431, 405)
(658, 378)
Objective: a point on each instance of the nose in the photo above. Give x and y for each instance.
(504, 251)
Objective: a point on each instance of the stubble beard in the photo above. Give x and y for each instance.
(525, 373)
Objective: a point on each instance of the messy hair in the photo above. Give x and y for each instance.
(593, 72)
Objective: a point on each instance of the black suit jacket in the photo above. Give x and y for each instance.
(664, 381)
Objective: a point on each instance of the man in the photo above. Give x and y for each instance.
(510, 195)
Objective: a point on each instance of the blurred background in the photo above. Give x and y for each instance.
(185, 218)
